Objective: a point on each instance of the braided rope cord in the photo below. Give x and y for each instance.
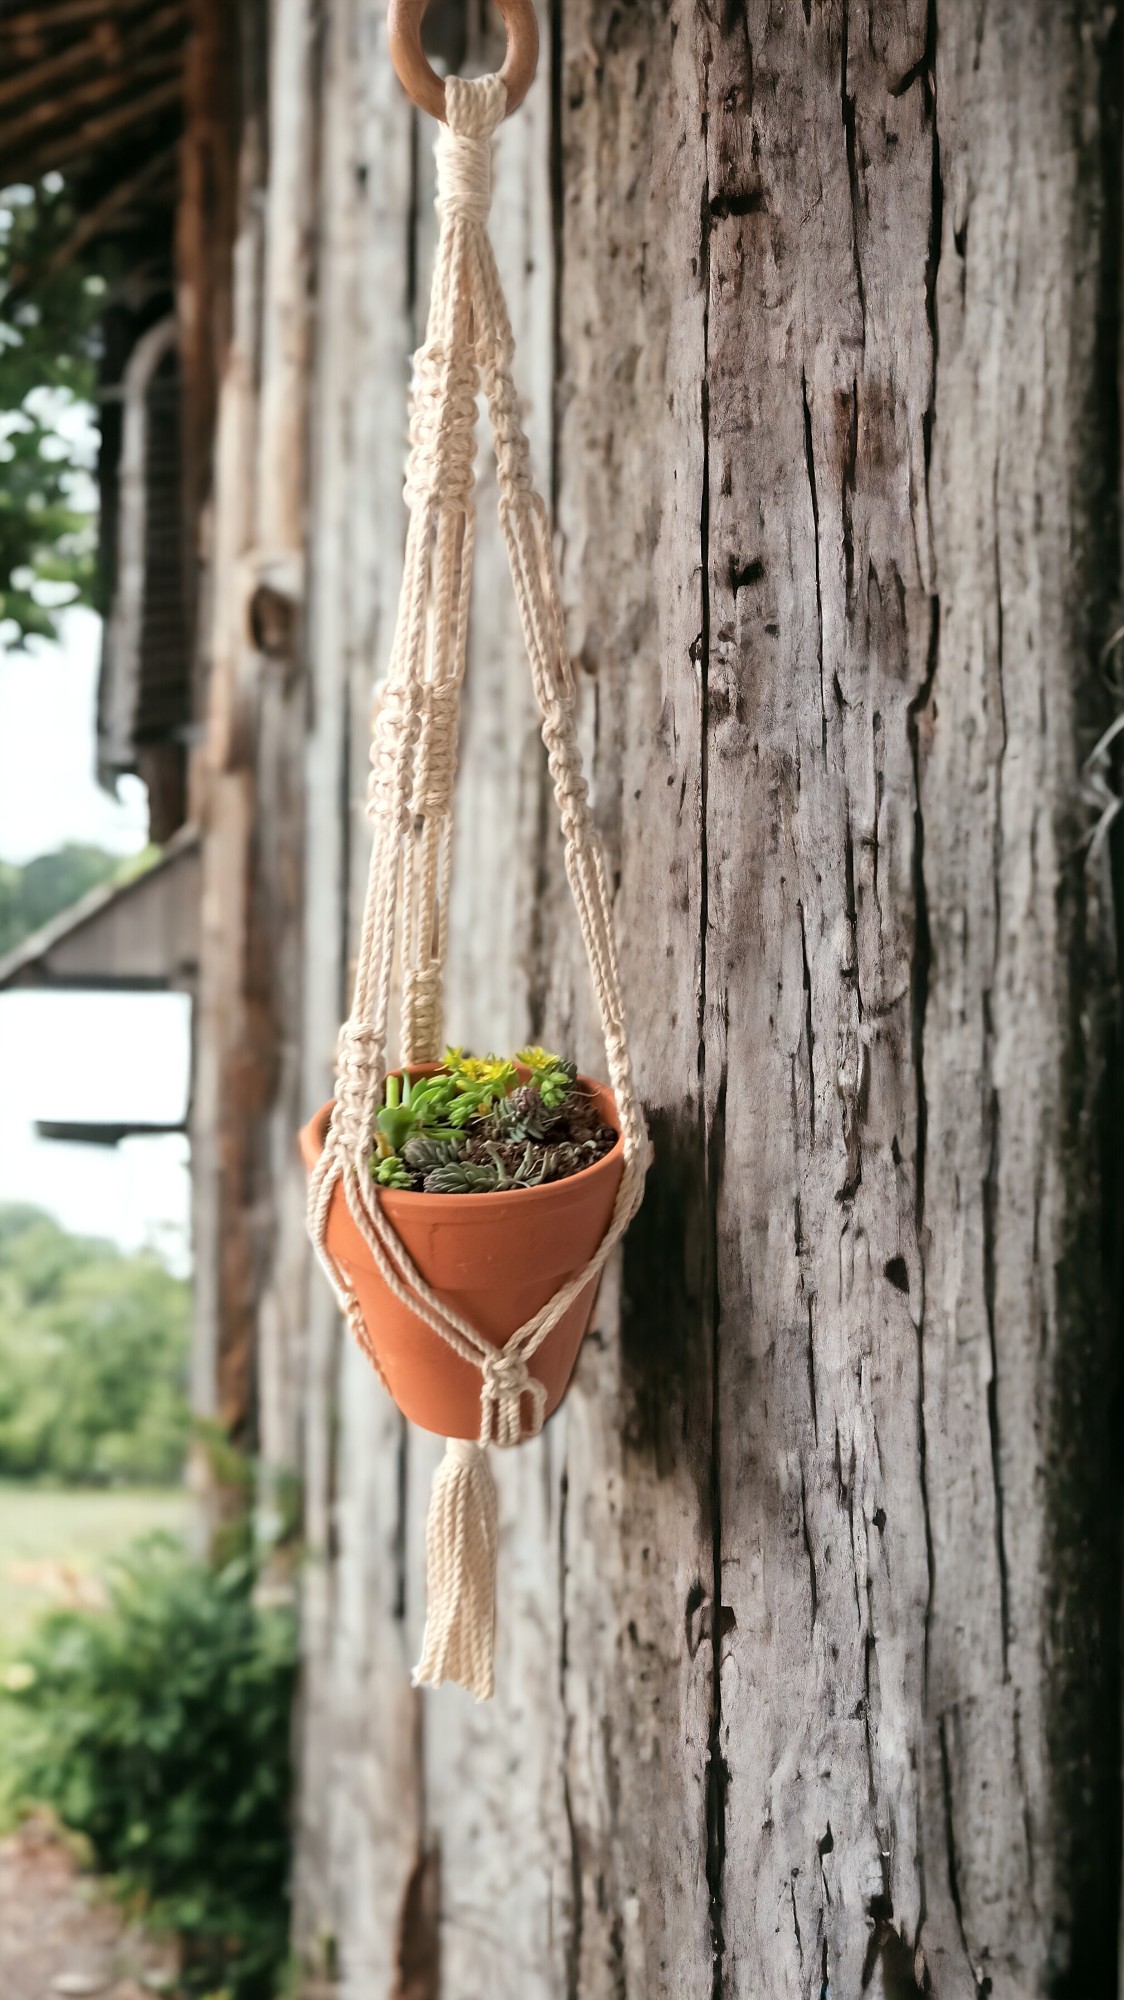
(413, 767)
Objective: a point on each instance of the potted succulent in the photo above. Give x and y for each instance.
(463, 1210)
(499, 1177)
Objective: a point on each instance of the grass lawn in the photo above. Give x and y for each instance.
(55, 1543)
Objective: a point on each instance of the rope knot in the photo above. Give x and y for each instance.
(442, 425)
(513, 451)
(435, 767)
(394, 734)
(570, 788)
(464, 175)
(422, 997)
(474, 106)
(358, 1062)
(464, 145)
(506, 1380)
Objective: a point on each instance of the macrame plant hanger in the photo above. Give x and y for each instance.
(413, 764)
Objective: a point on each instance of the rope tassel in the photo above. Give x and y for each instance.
(460, 1579)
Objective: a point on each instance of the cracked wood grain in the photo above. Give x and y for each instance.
(1010, 1064)
(639, 1563)
(817, 396)
(831, 174)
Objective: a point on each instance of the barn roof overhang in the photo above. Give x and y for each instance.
(93, 90)
(138, 936)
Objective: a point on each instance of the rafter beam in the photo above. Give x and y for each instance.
(55, 150)
(32, 80)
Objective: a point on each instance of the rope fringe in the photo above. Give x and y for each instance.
(413, 767)
(460, 1562)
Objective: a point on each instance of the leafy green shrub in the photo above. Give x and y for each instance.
(159, 1729)
(49, 342)
(93, 1358)
(33, 893)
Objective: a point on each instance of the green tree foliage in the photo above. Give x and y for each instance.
(93, 1358)
(48, 347)
(160, 1730)
(43, 888)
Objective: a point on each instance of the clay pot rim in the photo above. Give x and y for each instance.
(405, 1200)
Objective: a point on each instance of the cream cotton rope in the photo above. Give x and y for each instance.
(409, 803)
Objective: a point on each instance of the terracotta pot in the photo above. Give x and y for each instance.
(496, 1257)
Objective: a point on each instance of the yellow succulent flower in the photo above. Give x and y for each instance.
(483, 1069)
(537, 1060)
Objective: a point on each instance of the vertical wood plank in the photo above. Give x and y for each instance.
(636, 1547)
(1021, 1360)
(359, 1843)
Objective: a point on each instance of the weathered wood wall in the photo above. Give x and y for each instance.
(808, 1662)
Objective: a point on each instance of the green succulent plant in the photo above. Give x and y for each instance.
(489, 1175)
(551, 1075)
(480, 1124)
(423, 1155)
(567, 1158)
(523, 1115)
(412, 1108)
(463, 1177)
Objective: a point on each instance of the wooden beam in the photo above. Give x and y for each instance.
(81, 55)
(205, 227)
(35, 23)
(39, 119)
(95, 132)
(78, 1134)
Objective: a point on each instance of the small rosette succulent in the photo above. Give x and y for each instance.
(483, 1124)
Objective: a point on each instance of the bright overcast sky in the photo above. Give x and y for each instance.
(82, 1056)
(48, 792)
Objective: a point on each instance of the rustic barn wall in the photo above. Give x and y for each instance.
(810, 1597)
(359, 1751)
(233, 1037)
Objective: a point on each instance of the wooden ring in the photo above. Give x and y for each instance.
(421, 81)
